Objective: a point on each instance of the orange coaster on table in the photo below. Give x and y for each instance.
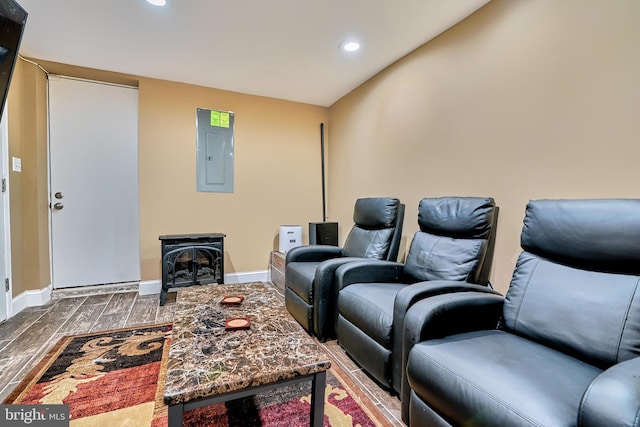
(232, 300)
(235, 323)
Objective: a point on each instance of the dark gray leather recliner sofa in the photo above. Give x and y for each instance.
(309, 270)
(562, 348)
(455, 242)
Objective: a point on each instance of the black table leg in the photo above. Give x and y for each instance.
(175, 415)
(318, 384)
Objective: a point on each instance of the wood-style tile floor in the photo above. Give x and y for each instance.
(26, 337)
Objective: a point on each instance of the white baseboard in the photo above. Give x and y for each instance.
(30, 299)
(150, 287)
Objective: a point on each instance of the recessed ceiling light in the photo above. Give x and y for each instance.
(157, 2)
(350, 46)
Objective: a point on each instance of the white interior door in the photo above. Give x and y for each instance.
(93, 131)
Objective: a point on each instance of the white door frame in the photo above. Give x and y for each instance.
(50, 183)
(6, 223)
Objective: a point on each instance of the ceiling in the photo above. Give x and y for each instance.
(287, 49)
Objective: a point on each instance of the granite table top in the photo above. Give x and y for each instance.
(206, 360)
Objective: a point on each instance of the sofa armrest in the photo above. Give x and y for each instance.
(312, 253)
(444, 315)
(324, 296)
(613, 398)
(409, 296)
(368, 271)
(421, 290)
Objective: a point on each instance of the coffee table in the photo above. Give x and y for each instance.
(208, 364)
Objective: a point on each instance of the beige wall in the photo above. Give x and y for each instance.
(28, 189)
(523, 100)
(277, 171)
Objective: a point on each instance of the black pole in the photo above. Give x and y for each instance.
(324, 203)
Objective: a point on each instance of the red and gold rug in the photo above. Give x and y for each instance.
(116, 378)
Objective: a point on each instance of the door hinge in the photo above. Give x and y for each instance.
(6, 284)
(4, 185)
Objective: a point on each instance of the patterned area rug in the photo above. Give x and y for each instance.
(116, 378)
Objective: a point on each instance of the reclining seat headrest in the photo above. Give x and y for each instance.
(376, 212)
(457, 217)
(596, 234)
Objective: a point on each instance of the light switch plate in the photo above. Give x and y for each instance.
(16, 164)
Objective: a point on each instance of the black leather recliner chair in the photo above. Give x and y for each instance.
(562, 348)
(309, 270)
(455, 242)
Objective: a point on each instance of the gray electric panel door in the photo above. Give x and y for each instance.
(214, 163)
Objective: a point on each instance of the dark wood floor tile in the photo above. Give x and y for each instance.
(83, 319)
(346, 363)
(5, 390)
(30, 341)
(392, 403)
(57, 337)
(14, 326)
(368, 386)
(107, 322)
(29, 363)
(63, 308)
(20, 366)
(10, 367)
(165, 313)
(121, 303)
(98, 299)
(41, 331)
(375, 391)
(393, 417)
(143, 311)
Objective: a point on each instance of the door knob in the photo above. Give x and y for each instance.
(58, 206)
(58, 195)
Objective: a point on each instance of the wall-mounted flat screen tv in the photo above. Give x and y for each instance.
(12, 21)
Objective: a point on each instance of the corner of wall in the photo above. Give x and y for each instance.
(33, 298)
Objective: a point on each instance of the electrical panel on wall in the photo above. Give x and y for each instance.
(214, 163)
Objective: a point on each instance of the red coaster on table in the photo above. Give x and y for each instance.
(232, 300)
(235, 323)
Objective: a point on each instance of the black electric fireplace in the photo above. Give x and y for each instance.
(191, 259)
